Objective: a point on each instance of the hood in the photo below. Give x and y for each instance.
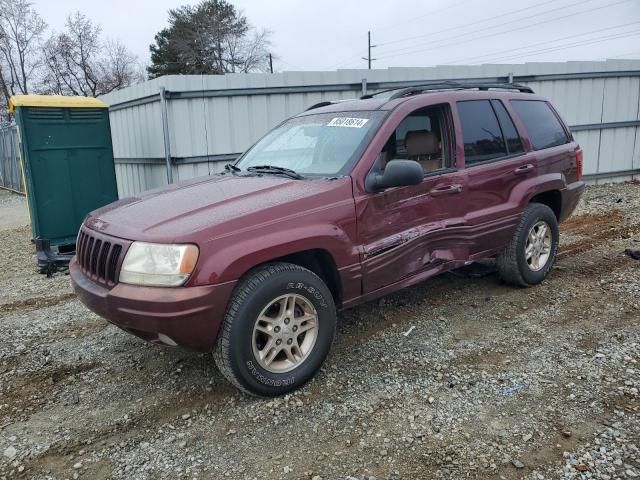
(217, 204)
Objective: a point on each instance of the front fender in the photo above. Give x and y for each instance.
(233, 259)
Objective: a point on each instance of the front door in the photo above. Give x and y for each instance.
(404, 230)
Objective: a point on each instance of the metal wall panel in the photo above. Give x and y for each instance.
(134, 178)
(210, 117)
(589, 140)
(616, 150)
(10, 168)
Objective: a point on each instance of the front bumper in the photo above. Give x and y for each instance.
(186, 316)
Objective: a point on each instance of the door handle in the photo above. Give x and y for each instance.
(523, 169)
(446, 190)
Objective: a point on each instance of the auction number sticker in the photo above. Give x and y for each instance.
(348, 122)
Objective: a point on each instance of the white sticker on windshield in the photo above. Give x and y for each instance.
(347, 122)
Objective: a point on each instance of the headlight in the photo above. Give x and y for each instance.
(158, 265)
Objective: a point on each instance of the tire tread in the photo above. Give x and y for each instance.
(246, 286)
(507, 260)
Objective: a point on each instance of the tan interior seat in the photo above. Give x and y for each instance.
(423, 146)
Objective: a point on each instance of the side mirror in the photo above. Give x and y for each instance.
(397, 173)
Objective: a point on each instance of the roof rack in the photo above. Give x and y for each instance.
(318, 105)
(325, 104)
(448, 85)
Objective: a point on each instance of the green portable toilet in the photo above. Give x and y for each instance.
(68, 169)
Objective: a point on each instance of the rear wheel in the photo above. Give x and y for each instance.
(278, 330)
(532, 250)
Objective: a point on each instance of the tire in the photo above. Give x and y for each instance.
(514, 264)
(245, 346)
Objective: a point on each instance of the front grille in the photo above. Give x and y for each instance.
(99, 256)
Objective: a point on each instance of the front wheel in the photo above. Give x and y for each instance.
(278, 330)
(532, 250)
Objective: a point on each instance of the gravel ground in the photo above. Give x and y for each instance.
(14, 210)
(457, 377)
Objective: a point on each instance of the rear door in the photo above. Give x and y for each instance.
(549, 138)
(496, 162)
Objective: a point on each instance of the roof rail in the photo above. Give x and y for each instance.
(318, 105)
(448, 85)
(325, 104)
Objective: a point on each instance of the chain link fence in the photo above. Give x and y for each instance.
(10, 171)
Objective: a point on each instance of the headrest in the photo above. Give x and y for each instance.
(421, 142)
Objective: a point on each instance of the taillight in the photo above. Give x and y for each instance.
(579, 157)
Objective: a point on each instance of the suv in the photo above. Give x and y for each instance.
(336, 206)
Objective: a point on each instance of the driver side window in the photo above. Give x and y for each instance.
(423, 137)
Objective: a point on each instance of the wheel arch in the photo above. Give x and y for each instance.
(546, 189)
(550, 198)
(318, 260)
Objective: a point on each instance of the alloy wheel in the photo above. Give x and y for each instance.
(285, 333)
(538, 246)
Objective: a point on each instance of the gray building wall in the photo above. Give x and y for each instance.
(211, 118)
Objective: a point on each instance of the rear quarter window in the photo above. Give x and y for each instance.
(542, 124)
(481, 132)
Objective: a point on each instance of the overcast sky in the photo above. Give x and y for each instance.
(330, 34)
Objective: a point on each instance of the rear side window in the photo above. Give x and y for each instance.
(543, 126)
(480, 131)
(514, 145)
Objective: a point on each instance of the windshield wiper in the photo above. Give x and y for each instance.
(230, 167)
(275, 169)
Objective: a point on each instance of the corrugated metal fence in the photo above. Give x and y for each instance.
(10, 170)
(196, 124)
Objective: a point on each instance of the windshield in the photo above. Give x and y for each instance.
(324, 144)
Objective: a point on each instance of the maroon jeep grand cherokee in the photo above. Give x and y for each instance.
(341, 204)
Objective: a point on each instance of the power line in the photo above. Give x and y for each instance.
(573, 14)
(406, 39)
(475, 57)
(353, 59)
(410, 50)
(419, 17)
(490, 28)
(344, 62)
(569, 45)
(348, 60)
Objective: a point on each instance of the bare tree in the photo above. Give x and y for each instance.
(21, 30)
(78, 62)
(248, 54)
(119, 67)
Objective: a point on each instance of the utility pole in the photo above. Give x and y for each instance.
(369, 47)
(271, 63)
